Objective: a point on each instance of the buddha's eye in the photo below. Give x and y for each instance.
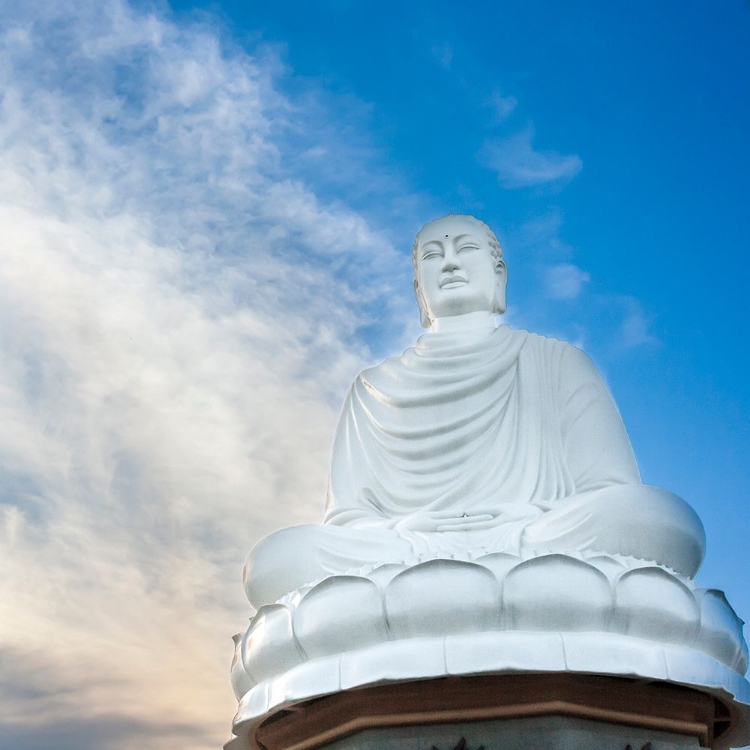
(433, 254)
(468, 247)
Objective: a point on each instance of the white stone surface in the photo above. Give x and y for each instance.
(485, 514)
(552, 613)
(479, 439)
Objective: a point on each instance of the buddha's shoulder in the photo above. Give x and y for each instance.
(544, 344)
(375, 373)
(566, 359)
(514, 342)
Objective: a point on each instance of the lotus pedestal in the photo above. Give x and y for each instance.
(500, 652)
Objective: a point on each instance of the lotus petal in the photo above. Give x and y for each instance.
(384, 574)
(556, 593)
(499, 563)
(240, 679)
(441, 597)
(268, 647)
(721, 629)
(741, 665)
(651, 603)
(611, 567)
(340, 614)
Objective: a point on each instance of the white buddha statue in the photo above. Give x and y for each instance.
(479, 439)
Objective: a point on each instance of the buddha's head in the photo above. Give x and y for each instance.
(458, 268)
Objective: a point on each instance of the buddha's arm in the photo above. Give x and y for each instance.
(424, 521)
(348, 501)
(611, 511)
(595, 442)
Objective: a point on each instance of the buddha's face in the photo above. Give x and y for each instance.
(457, 272)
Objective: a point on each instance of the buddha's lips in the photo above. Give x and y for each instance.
(452, 280)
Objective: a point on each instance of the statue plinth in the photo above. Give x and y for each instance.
(512, 712)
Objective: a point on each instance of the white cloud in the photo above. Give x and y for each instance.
(600, 321)
(564, 280)
(179, 313)
(178, 323)
(518, 164)
(501, 106)
(443, 53)
(541, 234)
(636, 324)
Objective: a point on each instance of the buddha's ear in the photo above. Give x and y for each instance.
(501, 271)
(424, 317)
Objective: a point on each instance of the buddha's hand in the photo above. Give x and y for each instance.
(444, 520)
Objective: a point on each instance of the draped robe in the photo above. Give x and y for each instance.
(503, 422)
(510, 435)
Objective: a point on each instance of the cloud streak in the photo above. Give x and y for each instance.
(636, 325)
(182, 292)
(178, 322)
(562, 299)
(564, 281)
(518, 164)
(501, 106)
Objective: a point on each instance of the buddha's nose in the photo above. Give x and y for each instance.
(450, 262)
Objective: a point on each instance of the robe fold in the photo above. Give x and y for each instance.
(503, 422)
(468, 444)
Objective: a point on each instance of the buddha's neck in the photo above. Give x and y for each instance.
(473, 322)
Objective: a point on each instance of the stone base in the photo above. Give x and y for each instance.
(501, 712)
(543, 733)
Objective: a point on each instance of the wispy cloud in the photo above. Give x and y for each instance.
(596, 319)
(443, 53)
(564, 280)
(39, 708)
(172, 288)
(635, 329)
(518, 164)
(501, 106)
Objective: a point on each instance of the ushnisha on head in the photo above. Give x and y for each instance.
(458, 268)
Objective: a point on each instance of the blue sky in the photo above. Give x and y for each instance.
(208, 212)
